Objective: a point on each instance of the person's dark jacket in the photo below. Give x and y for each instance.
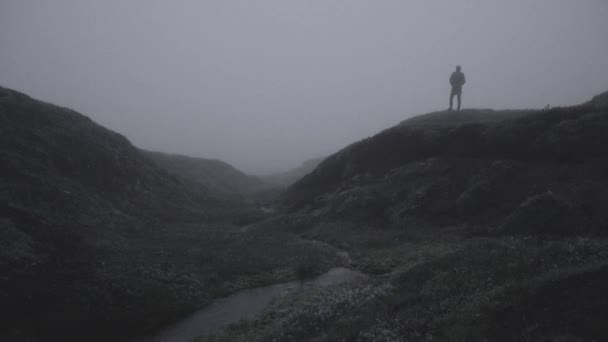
(457, 80)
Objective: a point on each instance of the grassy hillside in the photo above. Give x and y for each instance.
(472, 226)
(99, 243)
(495, 168)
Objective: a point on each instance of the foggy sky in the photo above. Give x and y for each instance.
(267, 84)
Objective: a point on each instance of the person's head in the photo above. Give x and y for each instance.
(458, 68)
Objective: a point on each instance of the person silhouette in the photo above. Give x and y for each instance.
(457, 80)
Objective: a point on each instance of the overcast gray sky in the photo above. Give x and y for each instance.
(266, 84)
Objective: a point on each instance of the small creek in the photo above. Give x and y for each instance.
(244, 304)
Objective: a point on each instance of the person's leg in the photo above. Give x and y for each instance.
(459, 100)
(451, 100)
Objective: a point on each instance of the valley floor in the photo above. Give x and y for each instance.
(197, 263)
(448, 284)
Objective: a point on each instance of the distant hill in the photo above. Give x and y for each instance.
(496, 167)
(218, 176)
(289, 177)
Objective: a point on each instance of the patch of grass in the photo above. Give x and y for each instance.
(446, 288)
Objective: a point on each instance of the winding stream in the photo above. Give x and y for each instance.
(244, 304)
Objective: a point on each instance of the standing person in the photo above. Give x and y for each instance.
(457, 80)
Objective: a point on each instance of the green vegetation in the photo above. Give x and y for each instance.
(99, 243)
(471, 226)
(446, 285)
